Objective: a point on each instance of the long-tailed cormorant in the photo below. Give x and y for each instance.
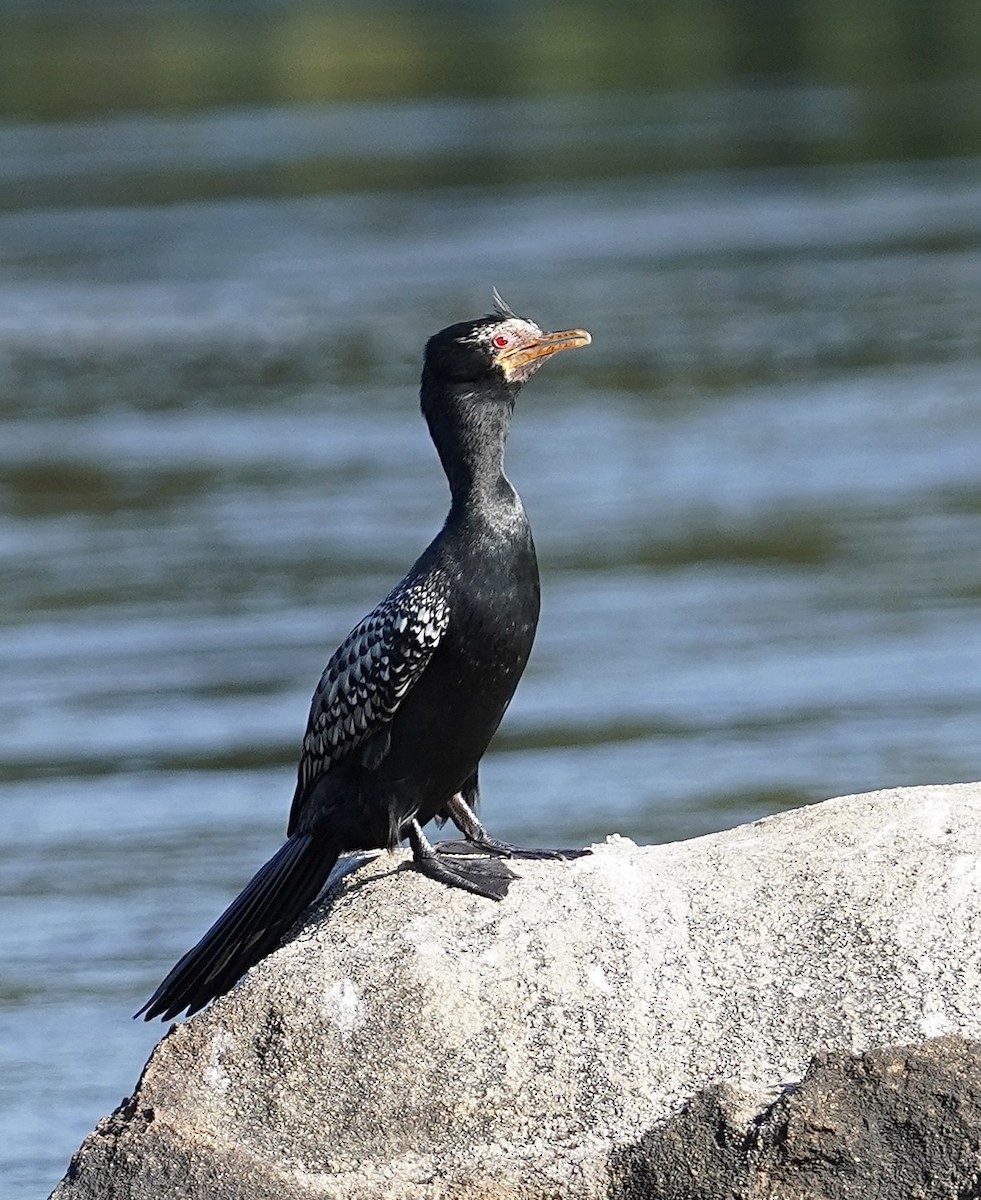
(410, 700)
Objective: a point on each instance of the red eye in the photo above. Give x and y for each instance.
(501, 341)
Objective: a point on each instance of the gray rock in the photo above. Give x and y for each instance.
(898, 1123)
(424, 1043)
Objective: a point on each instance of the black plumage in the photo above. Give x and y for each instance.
(410, 700)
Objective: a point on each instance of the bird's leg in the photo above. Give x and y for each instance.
(465, 819)
(468, 823)
(481, 876)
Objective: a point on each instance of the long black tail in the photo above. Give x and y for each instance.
(248, 930)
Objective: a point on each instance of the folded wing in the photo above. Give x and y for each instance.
(366, 679)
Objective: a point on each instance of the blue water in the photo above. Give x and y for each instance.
(756, 498)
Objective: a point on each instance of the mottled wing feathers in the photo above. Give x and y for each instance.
(369, 673)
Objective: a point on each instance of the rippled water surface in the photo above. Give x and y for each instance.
(756, 495)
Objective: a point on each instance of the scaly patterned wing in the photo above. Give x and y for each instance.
(367, 676)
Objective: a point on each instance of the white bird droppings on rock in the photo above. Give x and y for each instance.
(343, 1005)
(596, 978)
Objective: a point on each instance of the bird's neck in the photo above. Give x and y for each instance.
(470, 430)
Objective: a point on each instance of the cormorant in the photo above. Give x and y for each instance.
(410, 700)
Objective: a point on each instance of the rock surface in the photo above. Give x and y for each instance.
(423, 1043)
(898, 1123)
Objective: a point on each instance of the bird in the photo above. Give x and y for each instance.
(408, 703)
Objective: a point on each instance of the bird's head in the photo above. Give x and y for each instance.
(501, 348)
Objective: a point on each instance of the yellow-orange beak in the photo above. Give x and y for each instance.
(542, 345)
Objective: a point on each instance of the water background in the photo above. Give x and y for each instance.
(224, 238)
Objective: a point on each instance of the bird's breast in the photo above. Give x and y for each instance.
(447, 718)
(494, 608)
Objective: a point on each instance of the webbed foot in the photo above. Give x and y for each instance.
(485, 877)
(478, 839)
(499, 849)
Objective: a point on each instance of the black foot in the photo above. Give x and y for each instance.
(481, 876)
(480, 841)
(489, 845)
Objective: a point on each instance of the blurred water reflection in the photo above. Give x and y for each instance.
(756, 497)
